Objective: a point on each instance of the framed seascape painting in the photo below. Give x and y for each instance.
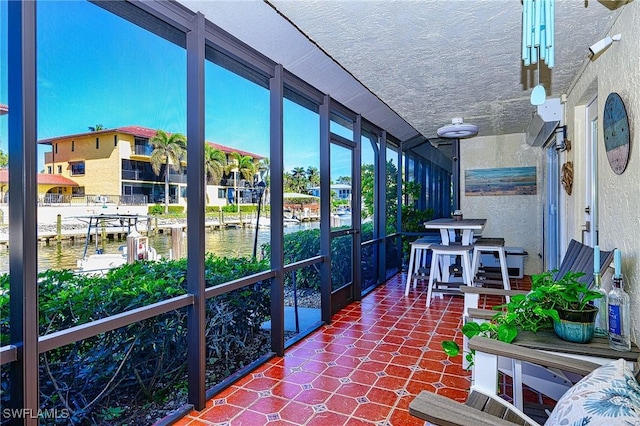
(501, 181)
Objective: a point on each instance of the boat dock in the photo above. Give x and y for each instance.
(152, 226)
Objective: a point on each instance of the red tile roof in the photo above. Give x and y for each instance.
(229, 150)
(43, 179)
(145, 132)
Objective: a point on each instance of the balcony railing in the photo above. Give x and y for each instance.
(89, 199)
(143, 150)
(141, 176)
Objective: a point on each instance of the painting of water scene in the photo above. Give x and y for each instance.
(501, 181)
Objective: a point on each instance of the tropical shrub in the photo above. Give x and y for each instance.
(143, 363)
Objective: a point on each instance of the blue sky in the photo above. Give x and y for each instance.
(96, 68)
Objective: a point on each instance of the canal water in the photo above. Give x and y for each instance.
(232, 242)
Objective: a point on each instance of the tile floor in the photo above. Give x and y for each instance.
(363, 369)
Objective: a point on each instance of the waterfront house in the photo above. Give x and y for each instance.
(114, 165)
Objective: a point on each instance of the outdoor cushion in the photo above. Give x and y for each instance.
(609, 395)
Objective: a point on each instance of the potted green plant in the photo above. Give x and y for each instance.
(561, 303)
(569, 303)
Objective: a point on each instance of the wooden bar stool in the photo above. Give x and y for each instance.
(490, 245)
(417, 260)
(440, 258)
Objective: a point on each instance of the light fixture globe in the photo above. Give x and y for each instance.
(457, 130)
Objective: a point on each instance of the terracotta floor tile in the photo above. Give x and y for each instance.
(281, 422)
(329, 384)
(414, 387)
(359, 352)
(326, 357)
(373, 366)
(398, 371)
(363, 369)
(269, 404)
(403, 418)
(296, 412)
(275, 372)
(313, 366)
(354, 390)
(249, 418)
(313, 396)
(390, 383)
(383, 354)
(405, 360)
(351, 362)
(373, 337)
(325, 418)
(242, 397)
(337, 371)
(260, 383)
(426, 376)
(382, 396)
(454, 381)
(301, 377)
(220, 413)
(372, 411)
(342, 404)
(364, 377)
(286, 390)
(457, 394)
(410, 351)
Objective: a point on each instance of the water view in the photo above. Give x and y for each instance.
(234, 242)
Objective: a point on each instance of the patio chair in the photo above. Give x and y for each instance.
(578, 258)
(484, 407)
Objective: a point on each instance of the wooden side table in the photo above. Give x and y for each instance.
(551, 382)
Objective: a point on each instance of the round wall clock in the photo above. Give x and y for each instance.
(616, 133)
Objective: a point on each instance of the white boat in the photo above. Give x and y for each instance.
(265, 222)
(99, 261)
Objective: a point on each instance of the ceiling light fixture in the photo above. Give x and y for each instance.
(457, 129)
(603, 44)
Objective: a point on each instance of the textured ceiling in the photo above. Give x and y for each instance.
(411, 66)
(432, 60)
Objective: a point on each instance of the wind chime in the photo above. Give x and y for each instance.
(538, 39)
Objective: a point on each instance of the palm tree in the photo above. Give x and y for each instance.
(214, 163)
(313, 175)
(242, 165)
(299, 179)
(167, 148)
(96, 128)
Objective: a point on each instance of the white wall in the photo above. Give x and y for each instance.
(616, 70)
(516, 218)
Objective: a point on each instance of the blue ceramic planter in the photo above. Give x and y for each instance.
(576, 326)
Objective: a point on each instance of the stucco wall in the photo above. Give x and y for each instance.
(615, 70)
(517, 218)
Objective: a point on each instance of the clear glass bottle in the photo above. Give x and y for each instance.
(618, 304)
(601, 319)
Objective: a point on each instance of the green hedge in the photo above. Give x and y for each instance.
(140, 364)
(249, 208)
(158, 209)
(304, 244)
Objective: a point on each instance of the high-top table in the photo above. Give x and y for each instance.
(448, 226)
